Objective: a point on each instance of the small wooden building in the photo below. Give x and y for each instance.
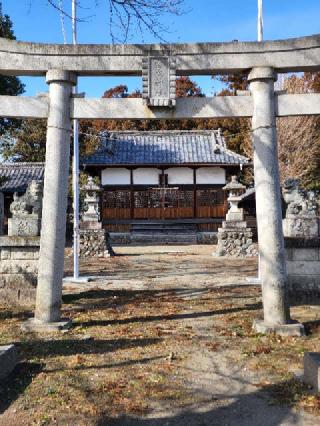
(163, 176)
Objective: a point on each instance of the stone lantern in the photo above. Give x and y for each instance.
(234, 238)
(235, 189)
(91, 215)
(94, 240)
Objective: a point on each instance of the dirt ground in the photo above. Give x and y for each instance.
(161, 336)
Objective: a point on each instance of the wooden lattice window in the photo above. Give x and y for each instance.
(210, 197)
(141, 199)
(184, 198)
(116, 199)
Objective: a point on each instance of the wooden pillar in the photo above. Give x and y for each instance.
(131, 195)
(195, 206)
(163, 210)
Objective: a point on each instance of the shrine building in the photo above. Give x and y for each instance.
(163, 176)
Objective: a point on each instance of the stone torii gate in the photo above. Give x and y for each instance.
(159, 65)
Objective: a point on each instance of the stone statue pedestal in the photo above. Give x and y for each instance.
(302, 211)
(19, 251)
(300, 226)
(26, 212)
(24, 226)
(19, 269)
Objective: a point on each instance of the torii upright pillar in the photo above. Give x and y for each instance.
(268, 207)
(52, 241)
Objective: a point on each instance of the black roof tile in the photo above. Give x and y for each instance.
(19, 175)
(163, 147)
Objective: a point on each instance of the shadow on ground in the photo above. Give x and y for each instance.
(253, 409)
(150, 318)
(17, 382)
(68, 347)
(116, 298)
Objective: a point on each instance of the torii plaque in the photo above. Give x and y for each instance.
(159, 79)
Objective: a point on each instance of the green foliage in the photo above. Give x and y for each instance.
(26, 143)
(9, 85)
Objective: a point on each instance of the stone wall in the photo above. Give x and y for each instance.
(120, 238)
(303, 267)
(235, 241)
(125, 238)
(18, 269)
(207, 238)
(95, 243)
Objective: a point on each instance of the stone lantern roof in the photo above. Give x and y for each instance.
(234, 186)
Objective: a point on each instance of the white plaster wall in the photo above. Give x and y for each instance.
(211, 175)
(180, 176)
(115, 177)
(176, 176)
(146, 176)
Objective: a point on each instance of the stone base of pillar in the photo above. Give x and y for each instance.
(79, 280)
(8, 360)
(34, 326)
(293, 329)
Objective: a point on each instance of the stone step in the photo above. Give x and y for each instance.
(161, 238)
(162, 231)
(163, 228)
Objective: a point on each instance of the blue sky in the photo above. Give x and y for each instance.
(204, 20)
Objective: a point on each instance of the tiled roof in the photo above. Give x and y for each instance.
(163, 147)
(19, 175)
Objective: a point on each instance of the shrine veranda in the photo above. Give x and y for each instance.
(159, 65)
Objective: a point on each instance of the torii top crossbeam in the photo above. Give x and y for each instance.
(297, 54)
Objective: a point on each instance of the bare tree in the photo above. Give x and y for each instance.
(127, 17)
(299, 138)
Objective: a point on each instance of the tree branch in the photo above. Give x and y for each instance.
(144, 14)
(128, 16)
(59, 8)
